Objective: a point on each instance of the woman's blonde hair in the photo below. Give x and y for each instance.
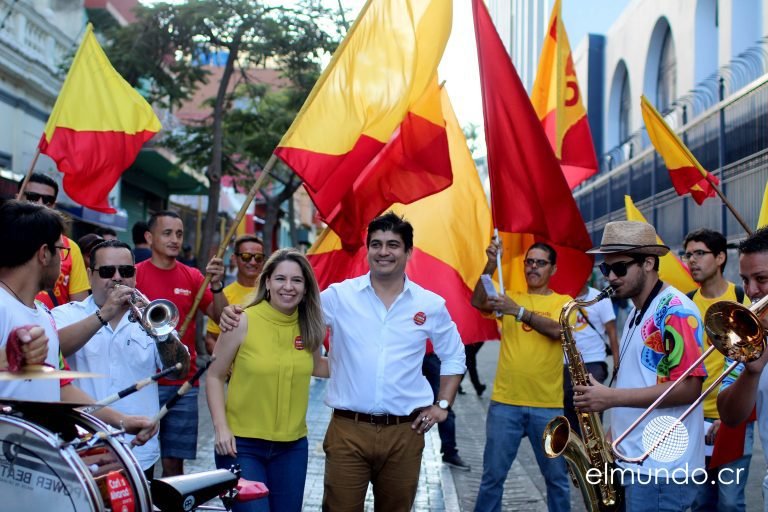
(311, 321)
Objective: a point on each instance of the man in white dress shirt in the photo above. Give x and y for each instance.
(382, 402)
(96, 336)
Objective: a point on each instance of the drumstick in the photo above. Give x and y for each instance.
(130, 389)
(182, 391)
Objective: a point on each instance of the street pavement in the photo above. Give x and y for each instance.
(442, 488)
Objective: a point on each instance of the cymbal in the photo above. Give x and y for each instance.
(36, 371)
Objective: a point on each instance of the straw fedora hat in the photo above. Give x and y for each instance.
(629, 236)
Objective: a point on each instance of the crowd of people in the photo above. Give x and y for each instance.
(395, 362)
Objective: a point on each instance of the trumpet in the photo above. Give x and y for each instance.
(158, 318)
(736, 332)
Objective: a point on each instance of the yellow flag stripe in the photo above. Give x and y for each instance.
(556, 90)
(762, 220)
(666, 142)
(381, 68)
(95, 97)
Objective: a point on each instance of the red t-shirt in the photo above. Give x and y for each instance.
(179, 285)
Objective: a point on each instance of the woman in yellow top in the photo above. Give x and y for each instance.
(275, 348)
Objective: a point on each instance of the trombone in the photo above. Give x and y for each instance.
(736, 332)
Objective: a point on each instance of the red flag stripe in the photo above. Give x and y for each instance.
(414, 164)
(92, 161)
(688, 179)
(577, 144)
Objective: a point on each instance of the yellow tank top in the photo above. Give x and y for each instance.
(268, 393)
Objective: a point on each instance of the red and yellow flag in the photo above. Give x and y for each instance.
(557, 99)
(530, 198)
(685, 171)
(372, 132)
(671, 269)
(97, 127)
(451, 229)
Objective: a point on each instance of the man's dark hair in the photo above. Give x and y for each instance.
(391, 222)
(247, 238)
(161, 213)
(105, 231)
(43, 179)
(756, 242)
(137, 232)
(641, 258)
(88, 242)
(545, 247)
(117, 244)
(714, 241)
(24, 227)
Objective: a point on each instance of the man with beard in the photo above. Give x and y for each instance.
(736, 402)
(661, 339)
(249, 257)
(706, 255)
(528, 391)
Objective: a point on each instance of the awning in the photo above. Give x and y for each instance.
(117, 221)
(157, 171)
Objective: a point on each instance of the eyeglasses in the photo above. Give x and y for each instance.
(108, 271)
(248, 256)
(698, 253)
(63, 251)
(530, 262)
(619, 268)
(33, 197)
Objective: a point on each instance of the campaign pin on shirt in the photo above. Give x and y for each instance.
(419, 318)
(298, 343)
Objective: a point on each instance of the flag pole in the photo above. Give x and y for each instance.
(225, 240)
(29, 174)
(498, 261)
(729, 205)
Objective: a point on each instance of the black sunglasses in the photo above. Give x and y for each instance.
(33, 197)
(619, 268)
(108, 271)
(248, 256)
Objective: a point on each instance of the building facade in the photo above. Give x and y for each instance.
(35, 38)
(702, 64)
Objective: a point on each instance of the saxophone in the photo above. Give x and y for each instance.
(593, 452)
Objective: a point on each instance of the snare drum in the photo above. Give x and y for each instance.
(53, 460)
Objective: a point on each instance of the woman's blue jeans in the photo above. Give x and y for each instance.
(281, 466)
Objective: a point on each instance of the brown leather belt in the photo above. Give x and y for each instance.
(376, 419)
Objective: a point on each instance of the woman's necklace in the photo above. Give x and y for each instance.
(13, 292)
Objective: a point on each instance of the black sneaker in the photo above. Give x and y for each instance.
(456, 462)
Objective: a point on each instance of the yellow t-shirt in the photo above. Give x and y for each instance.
(268, 393)
(78, 276)
(236, 294)
(715, 363)
(530, 370)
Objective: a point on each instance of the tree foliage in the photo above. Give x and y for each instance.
(164, 53)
